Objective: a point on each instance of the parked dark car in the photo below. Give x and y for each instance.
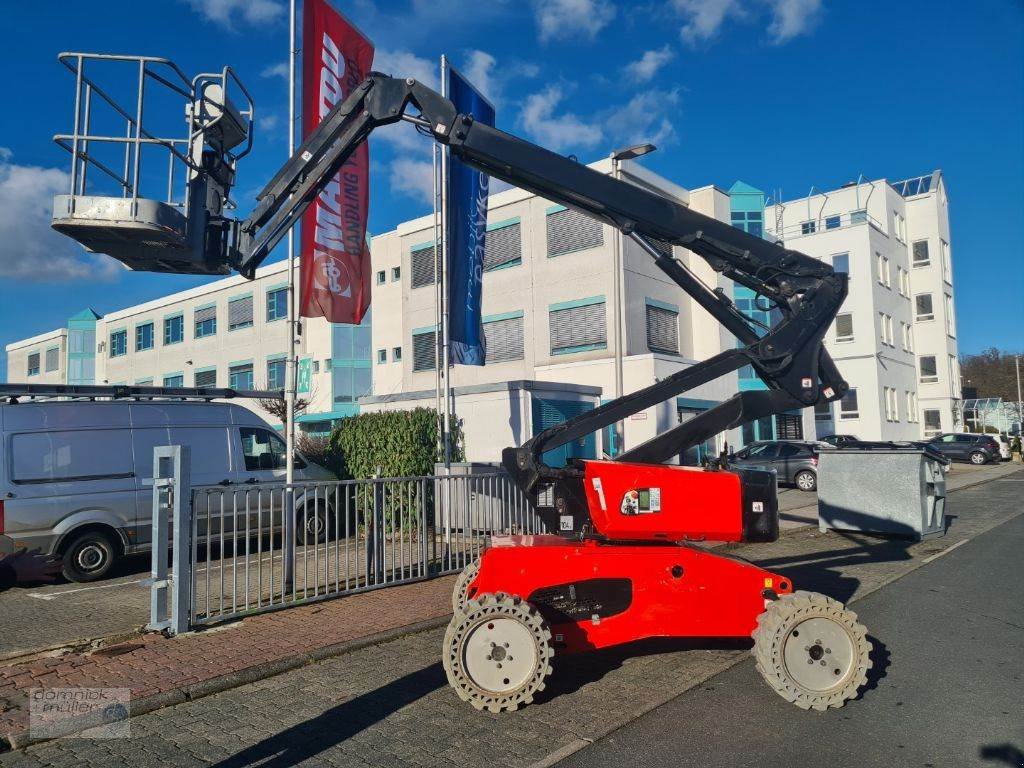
(966, 446)
(794, 462)
(839, 441)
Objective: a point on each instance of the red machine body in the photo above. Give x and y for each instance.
(596, 595)
(656, 502)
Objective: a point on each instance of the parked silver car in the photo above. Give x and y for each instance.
(76, 477)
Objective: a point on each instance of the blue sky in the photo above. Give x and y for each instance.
(779, 93)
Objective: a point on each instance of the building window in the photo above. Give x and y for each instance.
(382, 277)
(570, 231)
(396, 354)
(932, 422)
(907, 338)
(891, 398)
(904, 277)
(911, 401)
(844, 327)
(831, 222)
(504, 339)
(503, 247)
(240, 313)
(275, 374)
(807, 228)
(885, 321)
(947, 264)
(118, 343)
(174, 380)
(277, 304)
(424, 265)
(206, 322)
(577, 328)
(858, 217)
(424, 351)
(841, 263)
(174, 330)
(848, 405)
(206, 378)
(32, 364)
(919, 253)
(382, 356)
(240, 376)
(52, 359)
(923, 307)
(351, 383)
(899, 227)
(886, 274)
(662, 330)
(928, 369)
(823, 411)
(396, 274)
(143, 337)
(950, 319)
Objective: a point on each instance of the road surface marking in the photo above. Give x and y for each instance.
(55, 595)
(946, 551)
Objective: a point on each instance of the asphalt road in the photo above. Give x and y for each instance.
(947, 688)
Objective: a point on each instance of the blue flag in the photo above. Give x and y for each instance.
(467, 230)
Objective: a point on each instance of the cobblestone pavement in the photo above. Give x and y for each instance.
(388, 705)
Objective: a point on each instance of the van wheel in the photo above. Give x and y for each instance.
(89, 556)
(806, 480)
(312, 523)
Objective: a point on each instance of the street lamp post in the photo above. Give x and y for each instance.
(626, 153)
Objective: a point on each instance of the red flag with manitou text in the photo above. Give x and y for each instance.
(335, 259)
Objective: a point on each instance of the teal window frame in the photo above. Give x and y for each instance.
(277, 371)
(119, 342)
(277, 304)
(174, 379)
(170, 337)
(140, 336)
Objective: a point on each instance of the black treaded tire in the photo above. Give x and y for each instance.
(809, 483)
(460, 593)
(88, 556)
(313, 523)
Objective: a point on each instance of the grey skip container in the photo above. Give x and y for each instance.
(896, 491)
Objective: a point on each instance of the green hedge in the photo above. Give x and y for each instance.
(397, 443)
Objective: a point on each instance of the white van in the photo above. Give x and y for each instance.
(76, 477)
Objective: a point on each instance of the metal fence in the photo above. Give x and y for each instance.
(348, 537)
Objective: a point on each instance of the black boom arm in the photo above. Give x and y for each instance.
(807, 293)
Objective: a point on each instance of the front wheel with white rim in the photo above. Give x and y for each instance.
(806, 480)
(497, 654)
(978, 458)
(812, 650)
(461, 594)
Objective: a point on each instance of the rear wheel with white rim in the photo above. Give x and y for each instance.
(812, 650)
(978, 458)
(497, 654)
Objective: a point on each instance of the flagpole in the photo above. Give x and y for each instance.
(293, 300)
(445, 237)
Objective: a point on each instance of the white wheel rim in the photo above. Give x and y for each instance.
(819, 654)
(977, 458)
(499, 655)
(804, 481)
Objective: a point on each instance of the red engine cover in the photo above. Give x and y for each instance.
(655, 502)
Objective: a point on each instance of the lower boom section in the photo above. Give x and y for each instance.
(531, 598)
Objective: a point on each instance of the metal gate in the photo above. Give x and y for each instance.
(235, 553)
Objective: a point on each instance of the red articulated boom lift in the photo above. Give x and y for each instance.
(623, 565)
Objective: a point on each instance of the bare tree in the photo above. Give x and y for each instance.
(278, 408)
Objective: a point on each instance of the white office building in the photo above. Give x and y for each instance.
(894, 339)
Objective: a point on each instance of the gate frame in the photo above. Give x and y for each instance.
(172, 497)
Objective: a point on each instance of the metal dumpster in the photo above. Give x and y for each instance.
(882, 488)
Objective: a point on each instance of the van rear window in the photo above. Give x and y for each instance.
(50, 457)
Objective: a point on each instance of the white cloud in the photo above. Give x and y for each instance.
(556, 132)
(29, 249)
(705, 17)
(276, 70)
(558, 19)
(648, 116)
(479, 68)
(413, 178)
(407, 64)
(268, 122)
(792, 18)
(227, 12)
(647, 66)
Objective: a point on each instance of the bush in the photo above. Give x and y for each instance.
(397, 443)
(315, 447)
